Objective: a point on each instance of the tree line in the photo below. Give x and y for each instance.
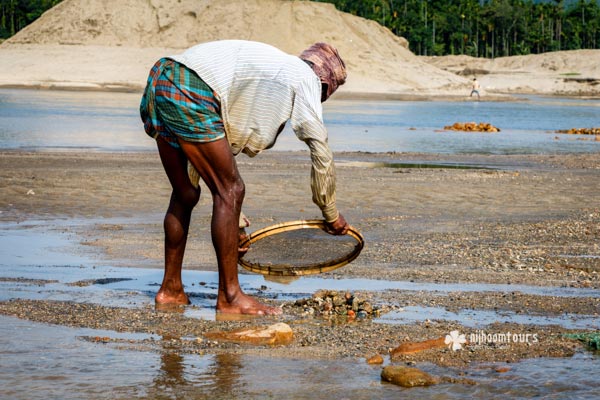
(485, 28)
(17, 14)
(479, 28)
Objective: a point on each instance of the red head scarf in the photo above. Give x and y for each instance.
(327, 64)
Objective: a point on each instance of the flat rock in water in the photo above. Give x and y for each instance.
(407, 376)
(415, 347)
(275, 335)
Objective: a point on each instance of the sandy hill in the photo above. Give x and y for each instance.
(575, 72)
(112, 43)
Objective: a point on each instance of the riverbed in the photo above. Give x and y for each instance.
(464, 231)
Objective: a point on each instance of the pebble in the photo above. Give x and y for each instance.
(331, 302)
(376, 359)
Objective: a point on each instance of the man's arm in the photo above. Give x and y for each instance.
(322, 176)
(323, 187)
(307, 123)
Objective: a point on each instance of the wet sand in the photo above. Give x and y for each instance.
(524, 220)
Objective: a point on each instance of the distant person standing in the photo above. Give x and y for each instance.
(475, 88)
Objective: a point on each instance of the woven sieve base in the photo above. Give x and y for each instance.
(291, 270)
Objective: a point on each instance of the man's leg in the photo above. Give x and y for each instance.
(218, 169)
(176, 224)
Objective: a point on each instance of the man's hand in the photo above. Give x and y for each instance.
(242, 237)
(243, 223)
(337, 227)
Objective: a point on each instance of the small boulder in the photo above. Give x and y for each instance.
(274, 335)
(407, 376)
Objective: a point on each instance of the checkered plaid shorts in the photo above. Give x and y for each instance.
(178, 105)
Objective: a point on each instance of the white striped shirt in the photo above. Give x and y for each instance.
(260, 88)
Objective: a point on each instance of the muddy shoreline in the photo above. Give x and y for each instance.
(526, 220)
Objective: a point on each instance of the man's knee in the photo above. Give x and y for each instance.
(188, 196)
(239, 190)
(231, 195)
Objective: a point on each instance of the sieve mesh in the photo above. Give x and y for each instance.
(299, 248)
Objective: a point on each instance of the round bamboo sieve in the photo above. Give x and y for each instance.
(291, 270)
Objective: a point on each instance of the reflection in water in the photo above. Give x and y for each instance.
(226, 371)
(178, 377)
(171, 376)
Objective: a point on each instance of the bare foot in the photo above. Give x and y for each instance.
(172, 298)
(244, 304)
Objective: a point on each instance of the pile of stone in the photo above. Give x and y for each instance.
(472, 127)
(580, 131)
(332, 302)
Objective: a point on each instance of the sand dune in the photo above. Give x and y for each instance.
(575, 72)
(110, 45)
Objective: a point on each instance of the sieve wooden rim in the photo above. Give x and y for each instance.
(290, 270)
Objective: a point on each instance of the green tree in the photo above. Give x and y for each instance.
(17, 14)
(485, 28)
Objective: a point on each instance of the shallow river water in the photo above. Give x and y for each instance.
(46, 120)
(39, 361)
(52, 362)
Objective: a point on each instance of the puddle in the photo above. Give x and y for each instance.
(43, 264)
(136, 287)
(24, 244)
(482, 318)
(44, 361)
(365, 164)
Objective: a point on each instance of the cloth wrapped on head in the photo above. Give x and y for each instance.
(327, 64)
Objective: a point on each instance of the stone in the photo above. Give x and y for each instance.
(334, 303)
(338, 301)
(472, 127)
(274, 335)
(366, 307)
(463, 381)
(581, 131)
(348, 296)
(415, 347)
(355, 304)
(407, 376)
(376, 359)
